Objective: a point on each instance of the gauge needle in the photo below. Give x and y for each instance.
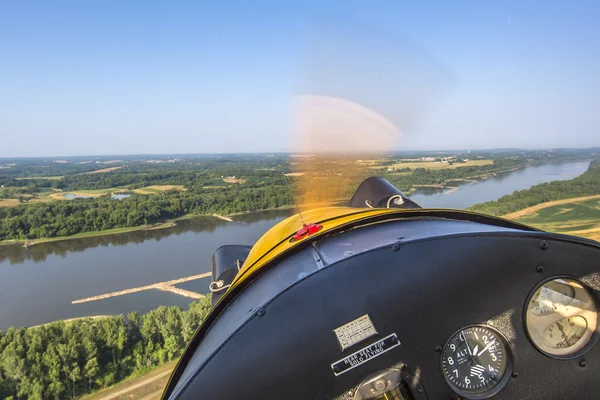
(470, 353)
(562, 330)
(485, 348)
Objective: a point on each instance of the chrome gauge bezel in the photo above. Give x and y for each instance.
(593, 338)
(505, 377)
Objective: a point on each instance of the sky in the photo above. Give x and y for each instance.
(148, 77)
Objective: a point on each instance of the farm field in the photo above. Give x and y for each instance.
(577, 216)
(60, 195)
(435, 165)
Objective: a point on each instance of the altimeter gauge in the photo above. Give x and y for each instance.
(476, 362)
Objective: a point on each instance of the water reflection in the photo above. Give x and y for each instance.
(263, 215)
(17, 254)
(36, 292)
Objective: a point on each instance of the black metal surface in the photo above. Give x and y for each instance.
(224, 265)
(375, 192)
(423, 293)
(185, 363)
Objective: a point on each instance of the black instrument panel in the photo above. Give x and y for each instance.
(424, 291)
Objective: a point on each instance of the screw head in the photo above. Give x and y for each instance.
(260, 312)
(544, 245)
(539, 268)
(582, 363)
(396, 247)
(380, 385)
(515, 374)
(438, 349)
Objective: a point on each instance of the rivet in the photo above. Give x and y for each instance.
(396, 247)
(515, 374)
(260, 312)
(438, 349)
(539, 268)
(543, 245)
(582, 363)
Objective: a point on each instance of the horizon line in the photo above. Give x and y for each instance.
(494, 149)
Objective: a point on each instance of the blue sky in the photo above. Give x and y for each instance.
(131, 77)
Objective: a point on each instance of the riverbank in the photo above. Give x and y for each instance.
(33, 242)
(167, 224)
(451, 189)
(66, 321)
(161, 225)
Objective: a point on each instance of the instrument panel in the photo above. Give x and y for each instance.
(474, 315)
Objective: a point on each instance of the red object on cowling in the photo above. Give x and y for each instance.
(307, 230)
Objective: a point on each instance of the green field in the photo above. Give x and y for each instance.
(581, 218)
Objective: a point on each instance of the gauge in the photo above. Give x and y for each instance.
(476, 362)
(561, 318)
(565, 333)
(548, 297)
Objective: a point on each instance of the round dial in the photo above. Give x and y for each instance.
(565, 333)
(561, 318)
(475, 362)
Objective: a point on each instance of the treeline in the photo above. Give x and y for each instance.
(63, 218)
(139, 174)
(68, 359)
(587, 184)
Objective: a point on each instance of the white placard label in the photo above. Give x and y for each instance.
(355, 331)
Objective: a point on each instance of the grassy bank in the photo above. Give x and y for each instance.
(138, 386)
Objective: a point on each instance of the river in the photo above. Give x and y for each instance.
(496, 186)
(37, 285)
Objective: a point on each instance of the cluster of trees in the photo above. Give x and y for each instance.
(63, 218)
(68, 359)
(264, 188)
(190, 173)
(587, 184)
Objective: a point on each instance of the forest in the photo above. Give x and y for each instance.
(587, 184)
(262, 186)
(63, 218)
(65, 360)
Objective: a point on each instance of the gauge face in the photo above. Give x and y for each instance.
(561, 318)
(474, 362)
(565, 333)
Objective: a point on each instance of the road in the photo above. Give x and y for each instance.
(136, 386)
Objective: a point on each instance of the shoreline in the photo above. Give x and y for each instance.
(162, 225)
(451, 189)
(66, 321)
